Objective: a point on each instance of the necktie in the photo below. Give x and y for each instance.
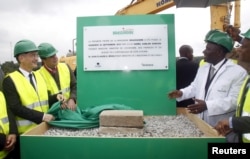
(211, 73)
(31, 80)
(209, 80)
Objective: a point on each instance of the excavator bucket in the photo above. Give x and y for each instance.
(199, 3)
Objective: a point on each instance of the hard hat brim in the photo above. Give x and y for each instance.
(49, 55)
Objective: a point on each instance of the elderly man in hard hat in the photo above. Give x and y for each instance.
(58, 76)
(217, 83)
(240, 123)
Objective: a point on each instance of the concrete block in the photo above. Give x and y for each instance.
(122, 118)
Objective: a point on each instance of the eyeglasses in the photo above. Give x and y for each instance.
(32, 54)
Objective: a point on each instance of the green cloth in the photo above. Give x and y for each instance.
(80, 118)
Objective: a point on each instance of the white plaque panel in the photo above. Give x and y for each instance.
(128, 47)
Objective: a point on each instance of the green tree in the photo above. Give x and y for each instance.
(9, 66)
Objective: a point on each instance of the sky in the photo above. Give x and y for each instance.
(54, 21)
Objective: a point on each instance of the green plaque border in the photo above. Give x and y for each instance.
(141, 89)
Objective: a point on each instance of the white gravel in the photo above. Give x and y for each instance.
(155, 126)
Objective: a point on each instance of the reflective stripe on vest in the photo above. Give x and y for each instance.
(38, 104)
(24, 122)
(4, 122)
(64, 78)
(244, 106)
(65, 90)
(35, 100)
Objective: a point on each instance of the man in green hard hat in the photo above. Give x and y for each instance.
(25, 90)
(229, 55)
(239, 124)
(217, 83)
(58, 76)
(28, 102)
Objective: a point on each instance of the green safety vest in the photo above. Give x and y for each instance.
(64, 78)
(243, 106)
(36, 100)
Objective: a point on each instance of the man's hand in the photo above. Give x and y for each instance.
(223, 127)
(198, 107)
(71, 104)
(48, 117)
(10, 142)
(175, 94)
(234, 32)
(60, 98)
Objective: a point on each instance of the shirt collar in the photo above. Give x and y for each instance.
(24, 72)
(216, 67)
(50, 70)
(183, 58)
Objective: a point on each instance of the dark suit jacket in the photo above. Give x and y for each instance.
(185, 73)
(15, 105)
(241, 124)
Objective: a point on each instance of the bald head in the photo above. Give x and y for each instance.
(186, 51)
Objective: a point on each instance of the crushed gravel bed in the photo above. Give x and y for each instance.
(155, 126)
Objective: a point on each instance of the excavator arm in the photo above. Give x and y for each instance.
(146, 7)
(220, 13)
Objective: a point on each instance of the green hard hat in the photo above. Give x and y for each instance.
(46, 50)
(211, 32)
(221, 38)
(24, 46)
(247, 34)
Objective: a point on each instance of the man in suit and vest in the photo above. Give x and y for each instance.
(58, 76)
(239, 124)
(25, 90)
(217, 83)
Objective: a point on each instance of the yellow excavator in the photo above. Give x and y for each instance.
(220, 9)
(220, 12)
(70, 60)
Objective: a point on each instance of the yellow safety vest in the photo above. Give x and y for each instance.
(4, 122)
(36, 100)
(234, 61)
(64, 78)
(245, 107)
(202, 62)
